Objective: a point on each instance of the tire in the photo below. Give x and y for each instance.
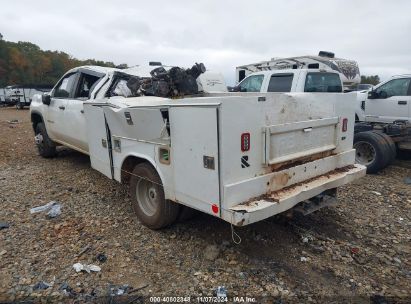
(148, 199)
(391, 144)
(45, 146)
(372, 150)
(186, 213)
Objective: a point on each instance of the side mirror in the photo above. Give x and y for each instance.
(234, 89)
(46, 99)
(372, 95)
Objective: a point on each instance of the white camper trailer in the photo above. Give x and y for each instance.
(348, 69)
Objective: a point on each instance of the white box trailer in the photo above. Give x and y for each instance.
(240, 157)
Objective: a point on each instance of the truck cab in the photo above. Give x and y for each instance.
(389, 101)
(61, 111)
(293, 80)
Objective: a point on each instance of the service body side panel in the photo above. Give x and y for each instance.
(140, 138)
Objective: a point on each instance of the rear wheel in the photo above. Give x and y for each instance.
(45, 146)
(372, 151)
(149, 203)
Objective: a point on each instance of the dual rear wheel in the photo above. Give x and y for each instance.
(374, 149)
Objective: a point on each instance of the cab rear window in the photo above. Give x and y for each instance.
(323, 82)
(280, 83)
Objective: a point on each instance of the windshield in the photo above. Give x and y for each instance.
(323, 82)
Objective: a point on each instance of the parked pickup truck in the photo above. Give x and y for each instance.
(240, 157)
(297, 80)
(385, 126)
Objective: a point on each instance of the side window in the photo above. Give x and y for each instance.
(323, 82)
(86, 85)
(280, 83)
(395, 87)
(252, 83)
(66, 87)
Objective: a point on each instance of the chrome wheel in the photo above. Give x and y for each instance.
(147, 196)
(365, 153)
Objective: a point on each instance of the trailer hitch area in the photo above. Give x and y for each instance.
(325, 199)
(38, 139)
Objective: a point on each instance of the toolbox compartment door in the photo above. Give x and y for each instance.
(289, 141)
(195, 156)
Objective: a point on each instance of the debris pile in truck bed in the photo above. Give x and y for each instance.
(173, 82)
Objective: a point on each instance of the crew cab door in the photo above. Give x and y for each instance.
(389, 102)
(55, 120)
(75, 122)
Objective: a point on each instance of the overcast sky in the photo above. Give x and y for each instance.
(222, 34)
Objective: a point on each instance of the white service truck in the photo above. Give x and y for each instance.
(385, 126)
(240, 157)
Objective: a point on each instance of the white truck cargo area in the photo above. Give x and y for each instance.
(240, 157)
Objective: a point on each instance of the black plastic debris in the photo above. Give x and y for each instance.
(101, 257)
(41, 285)
(4, 225)
(173, 83)
(67, 290)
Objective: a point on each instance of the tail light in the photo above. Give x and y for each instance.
(344, 124)
(245, 142)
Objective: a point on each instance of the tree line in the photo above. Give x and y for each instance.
(370, 79)
(25, 64)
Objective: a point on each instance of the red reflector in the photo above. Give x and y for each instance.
(344, 124)
(214, 208)
(245, 142)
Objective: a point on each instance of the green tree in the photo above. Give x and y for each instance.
(370, 79)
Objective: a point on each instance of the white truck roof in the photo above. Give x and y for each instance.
(349, 70)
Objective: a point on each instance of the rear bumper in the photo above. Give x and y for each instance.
(285, 199)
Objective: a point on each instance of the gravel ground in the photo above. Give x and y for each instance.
(358, 250)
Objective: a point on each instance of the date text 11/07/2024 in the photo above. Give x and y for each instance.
(202, 299)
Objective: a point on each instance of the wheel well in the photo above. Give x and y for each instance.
(35, 119)
(128, 165)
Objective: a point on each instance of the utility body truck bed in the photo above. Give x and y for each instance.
(240, 157)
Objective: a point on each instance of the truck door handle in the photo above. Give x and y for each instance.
(402, 102)
(306, 130)
(62, 107)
